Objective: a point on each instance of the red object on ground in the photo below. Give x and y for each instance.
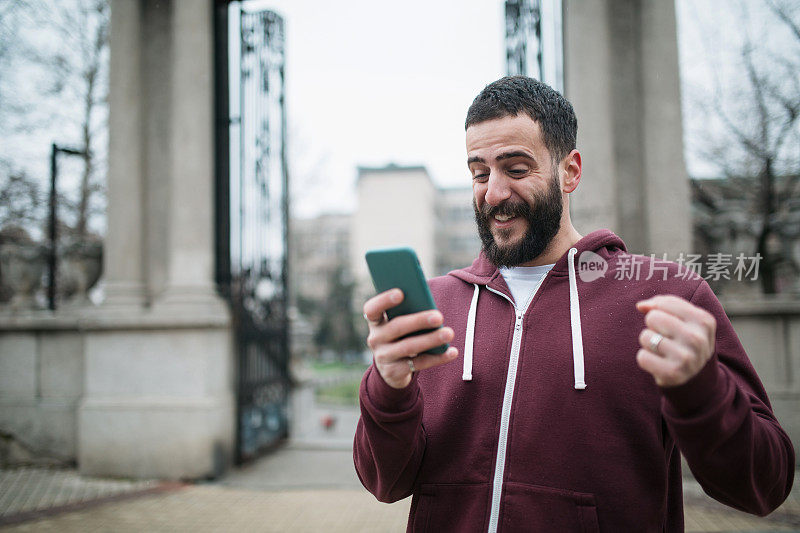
(328, 422)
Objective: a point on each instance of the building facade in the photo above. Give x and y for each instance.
(456, 235)
(397, 206)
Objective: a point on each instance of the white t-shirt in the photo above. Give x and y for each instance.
(523, 282)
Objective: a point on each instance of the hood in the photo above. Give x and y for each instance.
(482, 273)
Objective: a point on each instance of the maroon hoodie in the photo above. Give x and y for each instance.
(552, 426)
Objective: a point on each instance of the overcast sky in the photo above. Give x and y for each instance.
(371, 83)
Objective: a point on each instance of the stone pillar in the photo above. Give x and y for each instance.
(123, 269)
(189, 267)
(158, 398)
(621, 74)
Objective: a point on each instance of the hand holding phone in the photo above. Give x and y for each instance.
(413, 338)
(399, 268)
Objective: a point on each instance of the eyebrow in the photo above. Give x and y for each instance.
(501, 157)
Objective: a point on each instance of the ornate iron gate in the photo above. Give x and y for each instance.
(252, 217)
(534, 44)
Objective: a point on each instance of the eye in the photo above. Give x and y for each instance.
(480, 174)
(517, 171)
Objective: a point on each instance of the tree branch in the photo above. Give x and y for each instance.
(784, 16)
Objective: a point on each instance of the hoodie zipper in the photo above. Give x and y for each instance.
(505, 416)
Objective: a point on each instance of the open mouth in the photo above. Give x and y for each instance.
(503, 217)
(503, 222)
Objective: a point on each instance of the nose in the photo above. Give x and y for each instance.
(497, 189)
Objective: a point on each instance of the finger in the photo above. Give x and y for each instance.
(674, 305)
(646, 337)
(401, 326)
(416, 344)
(690, 334)
(663, 322)
(702, 325)
(398, 373)
(663, 370)
(667, 348)
(429, 360)
(375, 307)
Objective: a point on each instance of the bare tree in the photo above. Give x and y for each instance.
(78, 69)
(748, 127)
(20, 199)
(13, 18)
(56, 54)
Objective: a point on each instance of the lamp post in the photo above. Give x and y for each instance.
(52, 222)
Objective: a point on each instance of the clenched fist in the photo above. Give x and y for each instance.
(678, 340)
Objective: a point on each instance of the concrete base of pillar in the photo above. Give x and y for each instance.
(163, 438)
(158, 399)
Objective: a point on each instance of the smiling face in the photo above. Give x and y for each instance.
(517, 193)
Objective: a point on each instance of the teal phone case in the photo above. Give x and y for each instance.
(399, 268)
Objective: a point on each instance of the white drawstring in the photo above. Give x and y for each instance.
(470, 336)
(575, 319)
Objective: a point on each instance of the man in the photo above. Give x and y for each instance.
(575, 397)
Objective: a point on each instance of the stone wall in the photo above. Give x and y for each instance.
(148, 396)
(770, 333)
(155, 398)
(41, 384)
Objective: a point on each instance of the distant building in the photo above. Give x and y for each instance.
(320, 248)
(400, 206)
(397, 206)
(457, 242)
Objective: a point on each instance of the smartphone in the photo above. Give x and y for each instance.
(399, 268)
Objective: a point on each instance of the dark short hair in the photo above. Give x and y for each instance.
(512, 95)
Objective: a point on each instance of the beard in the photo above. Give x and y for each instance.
(544, 220)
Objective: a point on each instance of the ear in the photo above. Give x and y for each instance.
(571, 174)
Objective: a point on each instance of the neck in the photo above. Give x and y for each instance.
(565, 239)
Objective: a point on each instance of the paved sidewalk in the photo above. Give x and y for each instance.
(705, 514)
(297, 488)
(28, 492)
(213, 508)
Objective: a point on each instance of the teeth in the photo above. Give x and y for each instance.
(503, 218)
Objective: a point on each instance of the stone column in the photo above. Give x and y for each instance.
(667, 188)
(158, 395)
(621, 74)
(188, 266)
(123, 269)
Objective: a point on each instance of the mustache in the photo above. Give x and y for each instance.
(508, 209)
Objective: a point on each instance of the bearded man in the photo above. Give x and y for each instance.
(574, 399)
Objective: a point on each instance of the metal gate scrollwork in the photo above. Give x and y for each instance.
(534, 40)
(252, 238)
